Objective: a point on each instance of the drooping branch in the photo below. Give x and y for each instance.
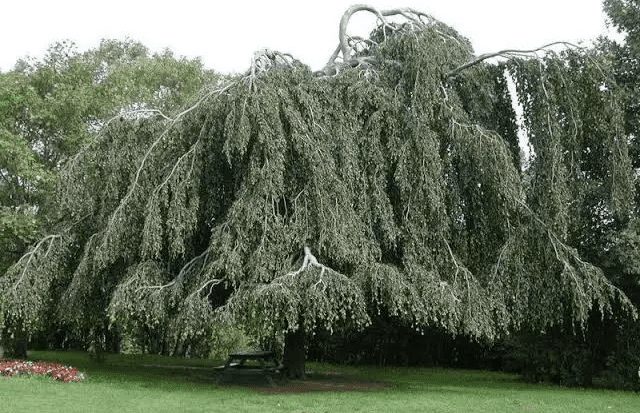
(187, 269)
(117, 213)
(211, 283)
(31, 254)
(505, 53)
(130, 114)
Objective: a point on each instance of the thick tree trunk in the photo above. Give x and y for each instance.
(20, 347)
(294, 354)
(15, 346)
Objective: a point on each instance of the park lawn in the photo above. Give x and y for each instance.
(123, 384)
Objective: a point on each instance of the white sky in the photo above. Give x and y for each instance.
(226, 33)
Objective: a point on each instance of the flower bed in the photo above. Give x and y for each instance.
(57, 371)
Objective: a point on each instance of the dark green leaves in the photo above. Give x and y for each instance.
(406, 186)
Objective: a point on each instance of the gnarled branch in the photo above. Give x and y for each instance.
(332, 67)
(410, 14)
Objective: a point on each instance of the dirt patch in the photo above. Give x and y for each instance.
(314, 381)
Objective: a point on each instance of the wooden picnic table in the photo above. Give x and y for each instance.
(236, 364)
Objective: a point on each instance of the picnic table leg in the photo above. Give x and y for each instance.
(224, 373)
(270, 380)
(265, 371)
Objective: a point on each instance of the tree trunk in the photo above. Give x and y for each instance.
(294, 354)
(20, 346)
(97, 345)
(15, 347)
(97, 351)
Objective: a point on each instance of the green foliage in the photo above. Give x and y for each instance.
(226, 339)
(3, 304)
(394, 181)
(48, 110)
(628, 249)
(72, 94)
(605, 355)
(624, 15)
(24, 182)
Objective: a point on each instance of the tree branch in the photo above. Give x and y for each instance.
(411, 15)
(264, 60)
(186, 269)
(30, 256)
(134, 184)
(408, 13)
(309, 259)
(504, 53)
(104, 126)
(212, 282)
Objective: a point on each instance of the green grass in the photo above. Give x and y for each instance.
(122, 384)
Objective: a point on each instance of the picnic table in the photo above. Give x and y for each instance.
(236, 365)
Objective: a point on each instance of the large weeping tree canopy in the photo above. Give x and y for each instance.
(392, 180)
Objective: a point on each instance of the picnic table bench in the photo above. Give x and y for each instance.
(267, 366)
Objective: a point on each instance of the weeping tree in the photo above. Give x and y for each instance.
(289, 201)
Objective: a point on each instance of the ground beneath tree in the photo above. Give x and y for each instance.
(321, 382)
(313, 382)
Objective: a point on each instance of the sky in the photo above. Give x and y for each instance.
(225, 34)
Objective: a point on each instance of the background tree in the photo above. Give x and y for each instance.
(23, 179)
(293, 202)
(50, 108)
(624, 15)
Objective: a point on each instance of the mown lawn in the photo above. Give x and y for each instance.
(123, 384)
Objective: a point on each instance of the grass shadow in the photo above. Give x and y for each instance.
(146, 371)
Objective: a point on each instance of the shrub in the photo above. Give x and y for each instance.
(606, 355)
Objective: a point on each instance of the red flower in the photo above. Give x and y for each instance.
(57, 371)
